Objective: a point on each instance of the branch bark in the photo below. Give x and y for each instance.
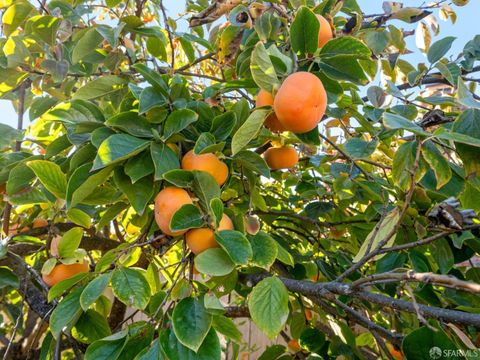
(313, 290)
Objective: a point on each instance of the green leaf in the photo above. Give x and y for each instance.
(223, 125)
(150, 98)
(157, 47)
(70, 242)
(75, 112)
(394, 122)
(209, 350)
(131, 123)
(236, 245)
(249, 130)
(215, 262)
(86, 45)
(437, 163)
(164, 159)
(89, 182)
(62, 286)
(376, 236)
(284, 256)
(153, 78)
(377, 40)
(45, 27)
(66, 313)
(358, 148)
(227, 327)
(187, 217)
(439, 48)
(51, 176)
(79, 217)
(188, 49)
(263, 71)
(112, 3)
(90, 327)
(426, 344)
(94, 290)
(443, 255)
(405, 159)
(139, 166)
(251, 160)
(8, 278)
(108, 348)
(154, 352)
(102, 86)
(264, 250)
(465, 96)
(344, 67)
(177, 121)
(345, 46)
(442, 133)
(9, 135)
(204, 143)
(468, 124)
(304, 31)
(212, 304)
(206, 188)
(111, 213)
(268, 305)
(191, 322)
(19, 179)
(272, 352)
(131, 287)
(216, 207)
(138, 194)
(178, 177)
(117, 148)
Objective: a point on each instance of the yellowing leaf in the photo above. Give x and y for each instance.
(376, 236)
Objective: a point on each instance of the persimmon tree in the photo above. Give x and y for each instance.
(140, 217)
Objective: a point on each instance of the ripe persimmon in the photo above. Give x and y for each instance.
(209, 163)
(264, 98)
(294, 346)
(283, 157)
(199, 240)
(300, 103)
(325, 33)
(61, 272)
(167, 203)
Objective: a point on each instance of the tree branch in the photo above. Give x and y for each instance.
(426, 278)
(313, 290)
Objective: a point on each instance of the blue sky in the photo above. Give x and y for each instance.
(464, 29)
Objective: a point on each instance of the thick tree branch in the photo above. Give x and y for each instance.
(313, 290)
(426, 278)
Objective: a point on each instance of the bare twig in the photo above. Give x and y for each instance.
(425, 278)
(169, 33)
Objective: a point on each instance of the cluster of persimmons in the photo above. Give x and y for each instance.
(298, 105)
